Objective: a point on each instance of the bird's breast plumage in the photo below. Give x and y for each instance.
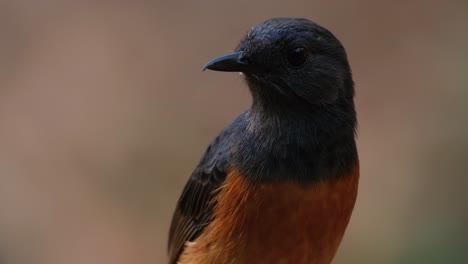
(276, 222)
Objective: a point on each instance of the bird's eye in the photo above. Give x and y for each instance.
(297, 56)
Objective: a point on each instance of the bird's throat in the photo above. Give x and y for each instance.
(279, 144)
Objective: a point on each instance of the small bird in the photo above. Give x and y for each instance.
(279, 184)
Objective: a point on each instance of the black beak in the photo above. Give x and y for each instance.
(234, 62)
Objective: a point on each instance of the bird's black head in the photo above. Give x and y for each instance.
(301, 125)
(291, 62)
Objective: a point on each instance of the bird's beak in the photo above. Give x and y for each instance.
(234, 62)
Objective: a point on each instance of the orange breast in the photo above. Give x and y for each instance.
(276, 222)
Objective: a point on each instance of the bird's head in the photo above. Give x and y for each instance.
(292, 61)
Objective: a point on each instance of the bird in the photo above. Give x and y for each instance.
(279, 184)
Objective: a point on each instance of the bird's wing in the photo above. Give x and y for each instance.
(195, 205)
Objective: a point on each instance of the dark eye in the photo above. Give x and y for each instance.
(297, 56)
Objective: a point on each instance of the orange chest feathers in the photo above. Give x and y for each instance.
(276, 222)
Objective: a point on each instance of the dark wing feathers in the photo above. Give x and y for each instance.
(195, 206)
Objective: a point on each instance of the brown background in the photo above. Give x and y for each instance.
(104, 112)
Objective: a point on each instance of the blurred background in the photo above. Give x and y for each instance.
(104, 112)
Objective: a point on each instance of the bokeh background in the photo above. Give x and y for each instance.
(104, 112)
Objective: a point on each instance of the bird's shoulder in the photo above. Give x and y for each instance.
(196, 203)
